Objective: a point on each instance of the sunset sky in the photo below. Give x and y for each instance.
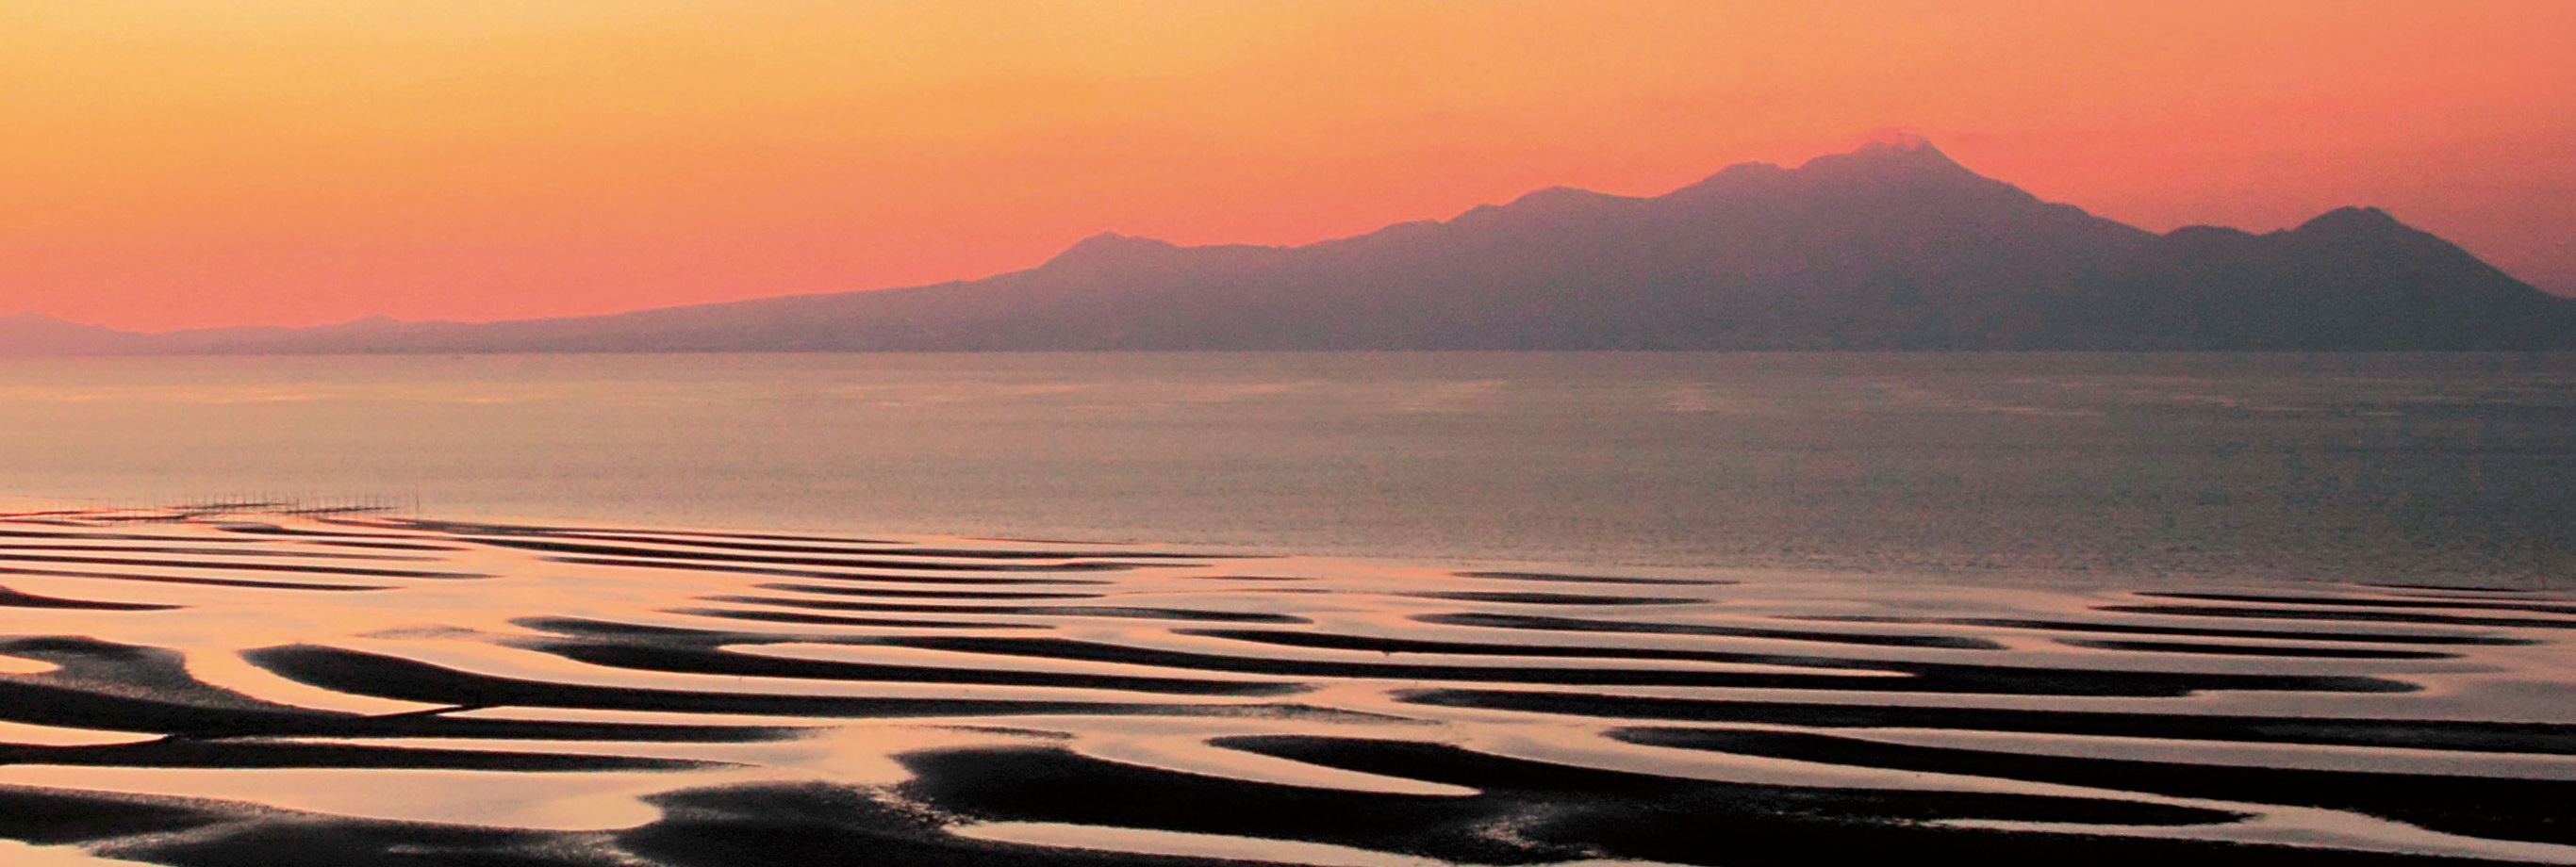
(183, 163)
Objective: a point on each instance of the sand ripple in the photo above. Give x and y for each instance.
(195, 688)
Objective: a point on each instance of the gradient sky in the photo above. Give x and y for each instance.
(183, 163)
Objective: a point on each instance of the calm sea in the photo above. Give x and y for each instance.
(2432, 468)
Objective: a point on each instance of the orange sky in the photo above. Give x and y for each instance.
(180, 163)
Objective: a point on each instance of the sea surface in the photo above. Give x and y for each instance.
(1370, 610)
(2435, 468)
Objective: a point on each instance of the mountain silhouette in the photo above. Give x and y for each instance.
(33, 333)
(1893, 246)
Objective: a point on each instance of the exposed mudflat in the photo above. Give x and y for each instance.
(210, 688)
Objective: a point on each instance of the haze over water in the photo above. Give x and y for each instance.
(2443, 469)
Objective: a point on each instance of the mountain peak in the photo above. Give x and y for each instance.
(1108, 247)
(2350, 221)
(1561, 196)
(1897, 142)
(1552, 202)
(1893, 156)
(1896, 159)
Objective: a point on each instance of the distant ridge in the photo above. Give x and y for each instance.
(1890, 247)
(33, 333)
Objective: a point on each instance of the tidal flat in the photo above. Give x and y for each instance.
(229, 685)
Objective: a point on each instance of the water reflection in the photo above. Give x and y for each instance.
(185, 687)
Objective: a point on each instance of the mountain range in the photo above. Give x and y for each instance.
(1891, 247)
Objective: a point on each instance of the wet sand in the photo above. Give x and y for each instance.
(237, 688)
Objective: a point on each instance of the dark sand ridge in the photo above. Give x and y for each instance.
(712, 660)
(476, 528)
(2252, 649)
(2200, 631)
(248, 583)
(2479, 605)
(269, 529)
(763, 541)
(121, 688)
(895, 576)
(837, 620)
(888, 548)
(1462, 648)
(882, 592)
(696, 653)
(242, 567)
(632, 547)
(1011, 564)
(121, 537)
(1570, 624)
(246, 754)
(1554, 598)
(13, 599)
(1923, 676)
(383, 546)
(1590, 579)
(1530, 812)
(198, 833)
(391, 677)
(265, 551)
(2478, 806)
(1555, 816)
(2429, 734)
(774, 542)
(1019, 610)
(2355, 616)
(589, 685)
